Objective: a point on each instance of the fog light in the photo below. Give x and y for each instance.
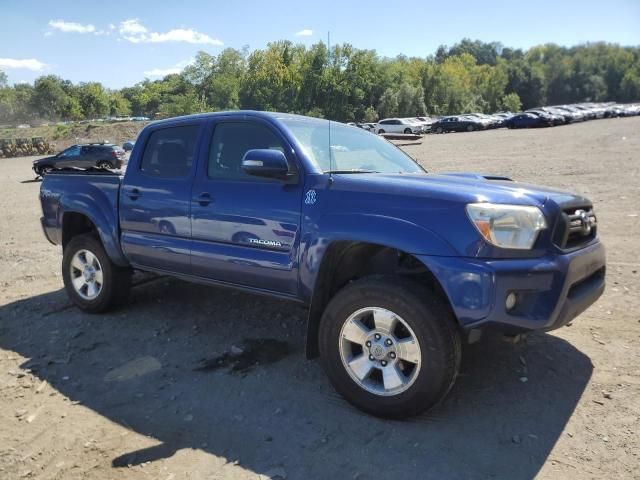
(510, 303)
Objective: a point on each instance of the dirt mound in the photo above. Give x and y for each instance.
(69, 134)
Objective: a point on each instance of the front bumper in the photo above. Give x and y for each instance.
(550, 291)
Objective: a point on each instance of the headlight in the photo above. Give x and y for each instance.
(507, 226)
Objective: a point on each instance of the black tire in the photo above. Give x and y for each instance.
(431, 320)
(116, 280)
(380, 131)
(470, 128)
(104, 165)
(439, 130)
(407, 131)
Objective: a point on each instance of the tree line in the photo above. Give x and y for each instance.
(346, 83)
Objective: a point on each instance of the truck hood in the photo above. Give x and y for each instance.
(460, 187)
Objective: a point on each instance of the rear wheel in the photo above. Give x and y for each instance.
(381, 131)
(389, 346)
(470, 128)
(439, 130)
(92, 281)
(104, 165)
(407, 130)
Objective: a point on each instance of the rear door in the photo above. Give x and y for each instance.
(155, 199)
(245, 229)
(70, 157)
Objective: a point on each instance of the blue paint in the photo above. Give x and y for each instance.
(270, 236)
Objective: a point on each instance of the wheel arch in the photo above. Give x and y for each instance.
(75, 222)
(345, 261)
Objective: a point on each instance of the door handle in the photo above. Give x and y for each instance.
(204, 199)
(134, 193)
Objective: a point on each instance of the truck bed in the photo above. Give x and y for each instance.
(71, 190)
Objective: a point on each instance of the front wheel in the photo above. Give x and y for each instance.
(92, 281)
(389, 346)
(407, 131)
(380, 132)
(439, 130)
(104, 165)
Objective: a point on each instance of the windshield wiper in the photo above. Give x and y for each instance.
(354, 170)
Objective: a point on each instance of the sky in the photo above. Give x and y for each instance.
(120, 43)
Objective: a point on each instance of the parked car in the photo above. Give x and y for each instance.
(576, 114)
(100, 155)
(426, 122)
(457, 124)
(589, 113)
(396, 266)
(398, 125)
(554, 118)
(528, 120)
(566, 115)
(128, 146)
(486, 120)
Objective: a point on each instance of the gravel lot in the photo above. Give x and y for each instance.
(148, 392)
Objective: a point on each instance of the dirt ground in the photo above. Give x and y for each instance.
(64, 136)
(151, 391)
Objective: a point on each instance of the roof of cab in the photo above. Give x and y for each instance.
(249, 113)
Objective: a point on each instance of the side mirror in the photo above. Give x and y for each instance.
(265, 163)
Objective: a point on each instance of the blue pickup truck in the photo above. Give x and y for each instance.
(398, 267)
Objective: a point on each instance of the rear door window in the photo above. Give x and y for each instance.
(72, 151)
(170, 152)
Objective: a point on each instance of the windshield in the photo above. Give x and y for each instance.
(353, 150)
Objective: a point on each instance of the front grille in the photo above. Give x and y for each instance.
(576, 227)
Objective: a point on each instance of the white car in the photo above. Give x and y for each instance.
(424, 121)
(398, 125)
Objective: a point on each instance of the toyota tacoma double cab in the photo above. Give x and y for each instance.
(398, 267)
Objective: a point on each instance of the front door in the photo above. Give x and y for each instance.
(155, 200)
(245, 229)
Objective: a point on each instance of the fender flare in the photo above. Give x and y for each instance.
(387, 232)
(100, 212)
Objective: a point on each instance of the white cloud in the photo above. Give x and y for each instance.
(132, 27)
(187, 35)
(71, 27)
(161, 72)
(307, 32)
(25, 64)
(133, 31)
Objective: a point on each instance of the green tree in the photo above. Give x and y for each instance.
(119, 105)
(511, 102)
(94, 100)
(370, 115)
(388, 106)
(49, 98)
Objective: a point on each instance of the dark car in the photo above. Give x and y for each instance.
(528, 120)
(554, 118)
(101, 155)
(457, 124)
(576, 114)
